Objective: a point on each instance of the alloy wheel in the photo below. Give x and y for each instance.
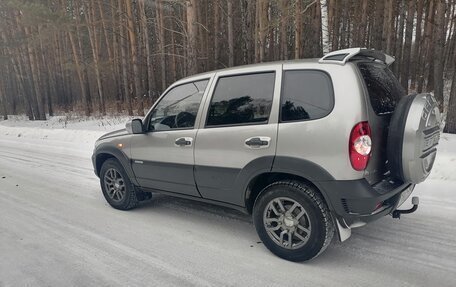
(115, 185)
(287, 223)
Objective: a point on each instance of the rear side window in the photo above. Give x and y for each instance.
(382, 86)
(306, 95)
(243, 99)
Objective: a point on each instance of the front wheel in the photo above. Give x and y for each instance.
(293, 221)
(117, 187)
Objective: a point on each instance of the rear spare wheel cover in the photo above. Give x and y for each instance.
(413, 137)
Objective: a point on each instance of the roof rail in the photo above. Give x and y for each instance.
(343, 56)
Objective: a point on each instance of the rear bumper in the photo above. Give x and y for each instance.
(357, 202)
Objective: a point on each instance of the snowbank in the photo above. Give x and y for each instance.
(445, 164)
(85, 131)
(61, 128)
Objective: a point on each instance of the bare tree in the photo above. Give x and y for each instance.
(407, 45)
(57, 55)
(134, 58)
(230, 33)
(439, 50)
(192, 67)
(450, 126)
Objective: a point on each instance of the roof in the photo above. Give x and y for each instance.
(339, 57)
(309, 60)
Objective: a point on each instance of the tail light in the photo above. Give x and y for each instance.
(360, 145)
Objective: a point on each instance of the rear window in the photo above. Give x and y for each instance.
(384, 89)
(306, 95)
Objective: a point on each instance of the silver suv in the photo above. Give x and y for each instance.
(309, 147)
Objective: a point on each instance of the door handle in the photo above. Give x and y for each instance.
(183, 141)
(257, 142)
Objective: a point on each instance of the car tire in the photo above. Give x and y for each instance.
(117, 188)
(413, 137)
(296, 197)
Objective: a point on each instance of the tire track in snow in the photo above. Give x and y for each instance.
(76, 239)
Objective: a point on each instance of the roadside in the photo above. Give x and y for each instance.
(56, 228)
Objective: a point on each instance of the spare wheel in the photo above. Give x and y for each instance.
(413, 137)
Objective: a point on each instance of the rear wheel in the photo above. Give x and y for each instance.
(293, 221)
(117, 188)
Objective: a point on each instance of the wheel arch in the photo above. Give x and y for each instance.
(286, 168)
(107, 152)
(100, 158)
(259, 182)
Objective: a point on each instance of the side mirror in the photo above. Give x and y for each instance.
(135, 126)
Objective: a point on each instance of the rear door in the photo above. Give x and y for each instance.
(383, 91)
(162, 158)
(238, 132)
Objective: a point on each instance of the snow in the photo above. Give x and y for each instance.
(445, 167)
(80, 131)
(57, 230)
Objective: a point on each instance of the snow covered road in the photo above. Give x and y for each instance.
(57, 230)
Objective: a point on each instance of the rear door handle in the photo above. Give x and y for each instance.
(258, 142)
(186, 141)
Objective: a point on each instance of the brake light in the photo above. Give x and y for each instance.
(360, 145)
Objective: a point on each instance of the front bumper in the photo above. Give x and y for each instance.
(94, 163)
(356, 202)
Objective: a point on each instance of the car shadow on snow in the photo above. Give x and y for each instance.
(369, 240)
(193, 207)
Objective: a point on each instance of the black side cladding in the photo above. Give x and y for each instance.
(396, 136)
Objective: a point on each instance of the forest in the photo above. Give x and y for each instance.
(98, 57)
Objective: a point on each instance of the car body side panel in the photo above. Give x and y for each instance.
(171, 177)
(160, 164)
(230, 184)
(221, 153)
(325, 141)
(301, 167)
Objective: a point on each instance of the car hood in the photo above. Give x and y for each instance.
(117, 133)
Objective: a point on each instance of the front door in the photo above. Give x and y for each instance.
(162, 158)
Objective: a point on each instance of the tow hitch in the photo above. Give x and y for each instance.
(415, 201)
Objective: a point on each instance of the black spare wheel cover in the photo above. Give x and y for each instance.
(413, 136)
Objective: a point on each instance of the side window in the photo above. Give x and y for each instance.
(306, 95)
(243, 99)
(178, 108)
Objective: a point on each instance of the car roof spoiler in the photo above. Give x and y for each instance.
(343, 56)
